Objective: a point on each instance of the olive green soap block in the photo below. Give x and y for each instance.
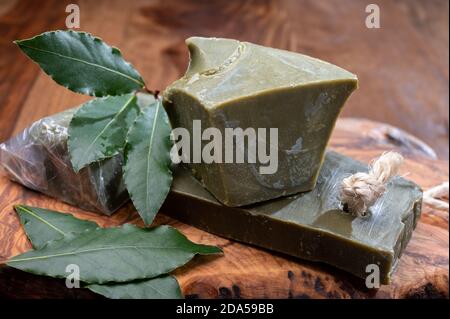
(311, 225)
(232, 84)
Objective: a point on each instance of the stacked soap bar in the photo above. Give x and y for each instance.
(232, 84)
(311, 225)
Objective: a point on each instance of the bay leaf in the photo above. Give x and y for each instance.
(147, 173)
(113, 254)
(82, 63)
(44, 225)
(98, 128)
(164, 287)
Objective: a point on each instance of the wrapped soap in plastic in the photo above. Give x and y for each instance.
(38, 158)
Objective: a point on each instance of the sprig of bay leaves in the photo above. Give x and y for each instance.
(104, 254)
(111, 123)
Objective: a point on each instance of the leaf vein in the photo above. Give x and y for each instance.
(85, 62)
(39, 218)
(105, 128)
(79, 252)
(147, 197)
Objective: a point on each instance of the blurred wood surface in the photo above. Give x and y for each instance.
(245, 271)
(402, 67)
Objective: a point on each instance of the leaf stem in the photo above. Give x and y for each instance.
(155, 93)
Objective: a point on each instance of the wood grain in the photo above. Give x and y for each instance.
(17, 76)
(402, 67)
(248, 272)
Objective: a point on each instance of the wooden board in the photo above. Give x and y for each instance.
(249, 272)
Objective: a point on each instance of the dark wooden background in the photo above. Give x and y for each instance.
(402, 67)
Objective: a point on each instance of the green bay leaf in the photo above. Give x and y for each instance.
(164, 287)
(44, 225)
(99, 127)
(147, 172)
(117, 254)
(82, 63)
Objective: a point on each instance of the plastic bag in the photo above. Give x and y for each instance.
(38, 158)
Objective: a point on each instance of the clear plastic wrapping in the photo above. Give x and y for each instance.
(38, 158)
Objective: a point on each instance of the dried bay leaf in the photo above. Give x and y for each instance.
(82, 63)
(147, 171)
(98, 129)
(44, 225)
(164, 287)
(113, 254)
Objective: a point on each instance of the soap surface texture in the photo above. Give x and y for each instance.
(311, 225)
(232, 84)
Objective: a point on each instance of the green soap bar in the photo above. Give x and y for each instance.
(311, 225)
(232, 84)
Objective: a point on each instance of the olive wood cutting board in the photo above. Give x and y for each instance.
(249, 272)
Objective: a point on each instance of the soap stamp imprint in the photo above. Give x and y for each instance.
(73, 277)
(73, 19)
(373, 17)
(373, 277)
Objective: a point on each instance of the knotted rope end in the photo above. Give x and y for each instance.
(361, 190)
